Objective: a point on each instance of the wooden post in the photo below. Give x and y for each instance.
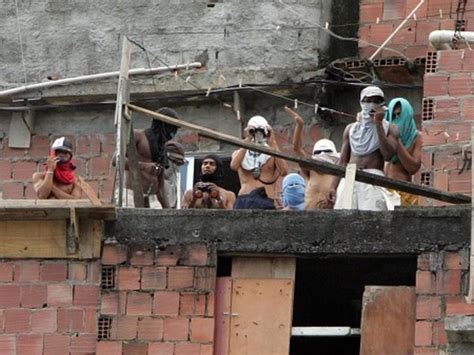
(470, 297)
(349, 182)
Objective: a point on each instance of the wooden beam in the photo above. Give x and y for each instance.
(72, 233)
(470, 296)
(134, 171)
(349, 182)
(310, 164)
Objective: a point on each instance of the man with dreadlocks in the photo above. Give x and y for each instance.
(152, 160)
(207, 192)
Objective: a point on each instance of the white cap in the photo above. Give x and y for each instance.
(371, 91)
(259, 122)
(325, 144)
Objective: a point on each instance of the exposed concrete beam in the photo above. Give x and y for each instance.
(404, 231)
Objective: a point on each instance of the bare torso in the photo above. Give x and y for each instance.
(269, 174)
(227, 200)
(317, 191)
(397, 171)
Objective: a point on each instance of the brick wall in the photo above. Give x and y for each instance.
(441, 286)
(162, 302)
(379, 18)
(92, 157)
(448, 110)
(48, 307)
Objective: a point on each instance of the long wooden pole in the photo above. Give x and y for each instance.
(321, 167)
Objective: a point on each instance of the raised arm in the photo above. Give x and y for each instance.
(280, 164)
(43, 182)
(389, 141)
(239, 155)
(343, 161)
(297, 135)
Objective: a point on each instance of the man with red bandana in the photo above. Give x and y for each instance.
(59, 180)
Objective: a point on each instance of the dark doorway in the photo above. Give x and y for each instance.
(328, 292)
(231, 178)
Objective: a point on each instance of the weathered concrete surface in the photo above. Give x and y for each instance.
(70, 38)
(299, 233)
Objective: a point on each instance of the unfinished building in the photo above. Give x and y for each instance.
(82, 279)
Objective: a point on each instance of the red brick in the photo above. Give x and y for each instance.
(56, 344)
(447, 109)
(142, 257)
(168, 256)
(187, 349)
(77, 272)
(94, 272)
(39, 147)
(187, 304)
(210, 303)
(180, 277)
(202, 330)
(90, 320)
(83, 343)
(86, 295)
(17, 320)
(423, 30)
(59, 295)
(6, 272)
(99, 166)
(370, 12)
(12, 152)
(425, 282)
(109, 348)
(29, 344)
(114, 254)
(160, 348)
(468, 63)
(434, 7)
(135, 348)
(107, 189)
(12, 190)
(124, 328)
(26, 271)
(70, 320)
(460, 84)
(33, 296)
(53, 272)
(109, 303)
(108, 144)
(406, 34)
(9, 296)
(439, 334)
(150, 329)
(196, 255)
(205, 278)
(139, 304)
(7, 344)
(435, 85)
(2, 321)
(457, 306)
(128, 278)
(200, 305)
(379, 33)
(427, 261)
(154, 278)
(422, 10)
(166, 303)
(423, 333)
(206, 349)
(187, 137)
(176, 329)
(88, 145)
(449, 282)
(44, 321)
(5, 170)
(459, 132)
(450, 61)
(30, 193)
(394, 10)
(455, 261)
(23, 170)
(467, 112)
(428, 307)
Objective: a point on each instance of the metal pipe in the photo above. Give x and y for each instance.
(100, 76)
(389, 38)
(443, 39)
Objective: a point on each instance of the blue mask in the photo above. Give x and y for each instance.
(293, 191)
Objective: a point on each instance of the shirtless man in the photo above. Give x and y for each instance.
(407, 160)
(318, 185)
(59, 180)
(258, 173)
(207, 193)
(152, 160)
(368, 143)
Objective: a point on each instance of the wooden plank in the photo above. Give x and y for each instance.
(223, 315)
(47, 239)
(20, 130)
(38, 212)
(388, 320)
(261, 316)
(310, 164)
(349, 182)
(134, 171)
(324, 331)
(470, 296)
(72, 233)
(263, 268)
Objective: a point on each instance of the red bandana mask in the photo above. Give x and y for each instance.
(64, 173)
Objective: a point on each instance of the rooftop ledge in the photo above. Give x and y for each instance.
(403, 231)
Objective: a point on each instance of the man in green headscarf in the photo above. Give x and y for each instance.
(407, 160)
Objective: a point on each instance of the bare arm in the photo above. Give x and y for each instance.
(188, 199)
(388, 142)
(61, 195)
(411, 162)
(160, 192)
(297, 137)
(280, 164)
(343, 161)
(43, 184)
(230, 200)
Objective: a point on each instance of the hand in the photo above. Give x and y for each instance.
(52, 162)
(294, 115)
(151, 168)
(271, 138)
(379, 115)
(247, 135)
(332, 195)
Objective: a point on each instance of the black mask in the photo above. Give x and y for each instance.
(218, 176)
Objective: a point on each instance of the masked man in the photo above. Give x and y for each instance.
(407, 161)
(318, 185)
(292, 193)
(59, 180)
(207, 192)
(258, 173)
(152, 161)
(368, 143)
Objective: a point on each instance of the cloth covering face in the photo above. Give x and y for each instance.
(293, 191)
(328, 157)
(405, 122)
(367, 197)
(218, 176)
(64, 172)
(252, 159)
